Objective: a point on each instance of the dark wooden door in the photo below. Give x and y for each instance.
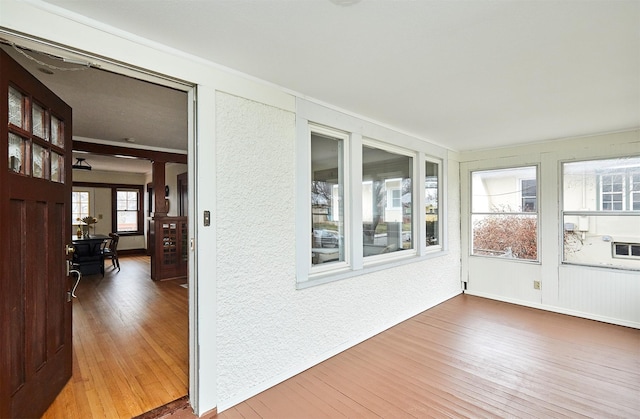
(183, 197)
(35, 195)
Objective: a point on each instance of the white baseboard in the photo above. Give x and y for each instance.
(555, 309)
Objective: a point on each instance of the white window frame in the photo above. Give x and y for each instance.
(630, 255)
(622, 193)
(426, 248)
(74, 216)
(376, 259)
(633, 193)
(626, 211)
(390, 193)
(310, 114)
(523, 196)
(320, 269)
(518, 187)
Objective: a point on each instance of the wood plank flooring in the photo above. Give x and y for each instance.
(130, 344)
(469, 357)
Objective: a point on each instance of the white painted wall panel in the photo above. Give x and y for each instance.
(493, 277)
(604, 294)
(268, 330)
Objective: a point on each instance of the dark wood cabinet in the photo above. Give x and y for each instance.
(169, 258)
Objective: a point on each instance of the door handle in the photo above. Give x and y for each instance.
(69, 250)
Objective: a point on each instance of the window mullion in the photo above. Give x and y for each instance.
(419, 219)
(354, 182)
(303, 207)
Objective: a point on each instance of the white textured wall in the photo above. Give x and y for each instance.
(266, 329)
(48, 22)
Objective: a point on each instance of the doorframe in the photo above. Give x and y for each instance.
(128, 70)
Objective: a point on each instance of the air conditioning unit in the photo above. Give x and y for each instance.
(583, 222)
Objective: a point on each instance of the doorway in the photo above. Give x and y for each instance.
(117, 114)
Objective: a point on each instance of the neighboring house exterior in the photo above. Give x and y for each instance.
(263, 311)
(605, 194)
(599, 199)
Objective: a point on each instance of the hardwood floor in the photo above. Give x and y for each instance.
(469, 357)
(130, 344)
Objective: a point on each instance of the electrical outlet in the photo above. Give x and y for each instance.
(536, 285)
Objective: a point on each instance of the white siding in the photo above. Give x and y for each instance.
(608, 295)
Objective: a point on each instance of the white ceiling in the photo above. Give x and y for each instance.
(463, 74)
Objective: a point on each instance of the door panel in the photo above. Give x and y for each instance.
(183, 197)
(35, 194)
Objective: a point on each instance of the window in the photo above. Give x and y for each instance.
(431, 203)
(528, 188)
(612, 192)
(634, 182)
(79, 205)
(386, 200)
(36, 138)
(620, 191)
(504, 213)
(128, 213)
(394, 193)
(357, 207)
(327, 196)
(626, 250)
(600, 212)
(126, 209)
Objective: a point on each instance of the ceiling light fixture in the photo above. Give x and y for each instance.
(81, 164)
(344, 3)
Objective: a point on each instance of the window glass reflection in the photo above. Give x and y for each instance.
(386, 201)
(327, 199)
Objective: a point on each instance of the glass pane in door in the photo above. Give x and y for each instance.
(39, 122)
(17, 153)
(16, 108)
(40, 162)
(57, 132)
(57, 167)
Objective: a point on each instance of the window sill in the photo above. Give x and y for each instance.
(517, 260)
(130, 233)
(618, 268)
(374, 266)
